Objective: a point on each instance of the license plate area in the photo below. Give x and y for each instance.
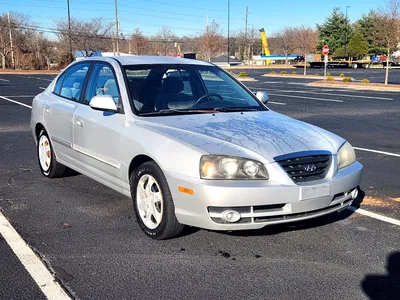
(315, 191)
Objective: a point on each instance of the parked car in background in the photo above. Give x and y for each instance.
(190, 145)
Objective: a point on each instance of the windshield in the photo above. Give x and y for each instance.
(184, 89)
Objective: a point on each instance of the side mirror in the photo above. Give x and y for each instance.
(262, 96)
(103, 103)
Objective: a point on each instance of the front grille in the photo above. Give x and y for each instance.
(307, 168)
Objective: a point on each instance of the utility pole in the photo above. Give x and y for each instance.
(117, 26)
(247, 17)
(11, 41)
(245, 36)
(229, 16)
(347, 25)
(207, 23)
(113, 42)
(69, 34)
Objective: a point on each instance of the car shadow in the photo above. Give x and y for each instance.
(379, 287)
(302, 225)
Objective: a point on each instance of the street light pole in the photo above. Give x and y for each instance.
(347, 26)
(69, 34)
(229, 14)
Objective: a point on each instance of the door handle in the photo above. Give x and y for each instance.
(79, 122)
(47, 109)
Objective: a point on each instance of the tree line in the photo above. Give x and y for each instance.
(28, 46)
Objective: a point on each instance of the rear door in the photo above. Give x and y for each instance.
(60, 107)
(97, 133)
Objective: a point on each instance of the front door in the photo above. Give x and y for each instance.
(96, 133)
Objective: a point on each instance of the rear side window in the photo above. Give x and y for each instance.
(59, 82)
(72, 84)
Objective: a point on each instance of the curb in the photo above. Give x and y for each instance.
(355, 87)
(299, 76)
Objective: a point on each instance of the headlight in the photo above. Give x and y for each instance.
(229, 167)
(346, 156)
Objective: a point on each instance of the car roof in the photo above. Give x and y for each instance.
(151, 60)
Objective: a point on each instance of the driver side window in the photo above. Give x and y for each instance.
(102, 82)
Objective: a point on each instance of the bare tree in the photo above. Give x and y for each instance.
(211, 42)
(85, 36)
(387, 29)
(306, 39)
(139, 43)
(286, 41)
(164, 41)
(16, 26)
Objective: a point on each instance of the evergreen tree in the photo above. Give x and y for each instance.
(357, 47)
(333, 31)
(365, 25)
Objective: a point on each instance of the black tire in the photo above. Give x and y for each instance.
(55, 169)
(169, 226)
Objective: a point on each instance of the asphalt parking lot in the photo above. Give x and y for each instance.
(88, 237)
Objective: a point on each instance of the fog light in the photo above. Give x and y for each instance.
(230, 216)
(354, 193)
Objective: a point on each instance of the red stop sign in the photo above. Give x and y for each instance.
(325, 50)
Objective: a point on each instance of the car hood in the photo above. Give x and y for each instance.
(267, 133)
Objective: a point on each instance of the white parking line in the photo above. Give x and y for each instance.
(374, 215)
(21, 96)
(308, 98)
(278, 103)
(377, 151)
(4, 80)
(16, 102)
(33, 264)
(39, 78)
(334, 94)
(42, 88)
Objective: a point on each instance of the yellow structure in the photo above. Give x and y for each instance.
(265, 45)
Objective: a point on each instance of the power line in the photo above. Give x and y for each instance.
(186, 6)
(175, 13)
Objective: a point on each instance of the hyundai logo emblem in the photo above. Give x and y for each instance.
(310, 168)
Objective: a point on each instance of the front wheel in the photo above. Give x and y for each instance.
(153, 204)
(47, 158)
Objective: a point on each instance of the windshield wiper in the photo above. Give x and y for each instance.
(177, 111)
(229, 109)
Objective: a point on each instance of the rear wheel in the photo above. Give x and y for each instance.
(153, 203)
(47, 160)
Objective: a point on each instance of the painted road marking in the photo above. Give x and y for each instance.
(32, 263)
(374, 215)
(42, 88)
(340, 95)
(308, 98)
(377, 151)
(39, 78)
(278, 103)
(24, 96)
(16, 102)
(6, 80)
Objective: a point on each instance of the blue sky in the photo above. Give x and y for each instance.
(189, 17)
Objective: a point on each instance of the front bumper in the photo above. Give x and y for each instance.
(261, 203)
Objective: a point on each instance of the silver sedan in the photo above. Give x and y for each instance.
(190, 145)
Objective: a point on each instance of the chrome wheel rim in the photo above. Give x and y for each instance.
(149, 201)
(44, 153)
